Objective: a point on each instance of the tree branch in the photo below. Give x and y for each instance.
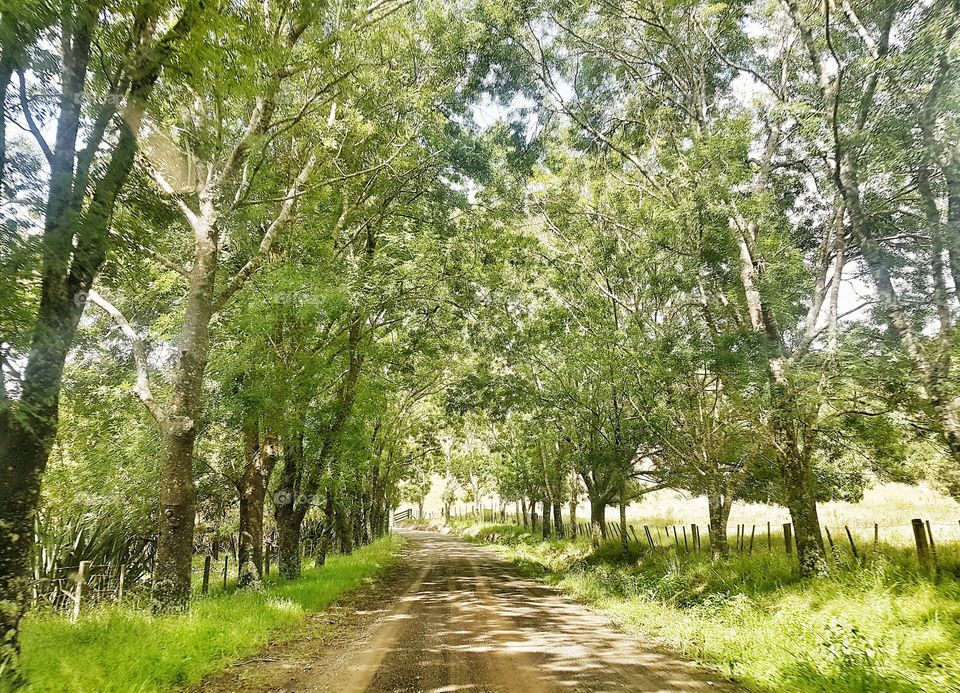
(266, 242)
(142, 387)
(152, 254)
(31, 124)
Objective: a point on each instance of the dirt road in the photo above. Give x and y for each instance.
(457, 617)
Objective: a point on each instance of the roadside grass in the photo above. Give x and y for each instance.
(873, 625)
(125, 648)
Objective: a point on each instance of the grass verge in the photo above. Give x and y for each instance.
(127, 649)
(876, 626)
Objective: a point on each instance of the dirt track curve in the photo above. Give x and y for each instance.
(457, 617)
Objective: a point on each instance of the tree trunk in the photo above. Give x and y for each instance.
(28, 427)
(558, 519)
(523, 512)
(249, 559)
(802, 503)
(259, 460)
(174, 558)
(344, 535)
(288, 511)
(24, 455)
(794, 449)
(623, 521)
(289, 523)
(174, 566)
(598, 509)
(573, 504)
(719, 505)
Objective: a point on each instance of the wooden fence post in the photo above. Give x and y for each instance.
(829, 538)
(226, 562)
(686, 547)
(122, 581)
(876, 535)
(646, 531)
(788, 537)
(206, 574)
(853, 547)
(752, 532)
(933, 547)
(695, 534)
(923, 549)
(81, 581)
(769, 538)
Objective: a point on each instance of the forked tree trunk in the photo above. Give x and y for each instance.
(523, 512)
(598, 509)
(28, 427)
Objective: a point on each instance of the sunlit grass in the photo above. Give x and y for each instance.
(127, 649)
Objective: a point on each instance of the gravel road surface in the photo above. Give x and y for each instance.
(456, 617)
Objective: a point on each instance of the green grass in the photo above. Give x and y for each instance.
(879, 626)
(126, 649)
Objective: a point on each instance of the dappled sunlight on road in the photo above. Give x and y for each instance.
(453, 617)
(471, 623)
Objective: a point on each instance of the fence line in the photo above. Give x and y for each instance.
(750, 538)
(72, 589)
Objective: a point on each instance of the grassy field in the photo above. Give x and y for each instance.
(126, 649)
(877, 624)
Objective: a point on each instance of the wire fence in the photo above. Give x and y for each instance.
(214, 569)
(852, 540)
(67, 588)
